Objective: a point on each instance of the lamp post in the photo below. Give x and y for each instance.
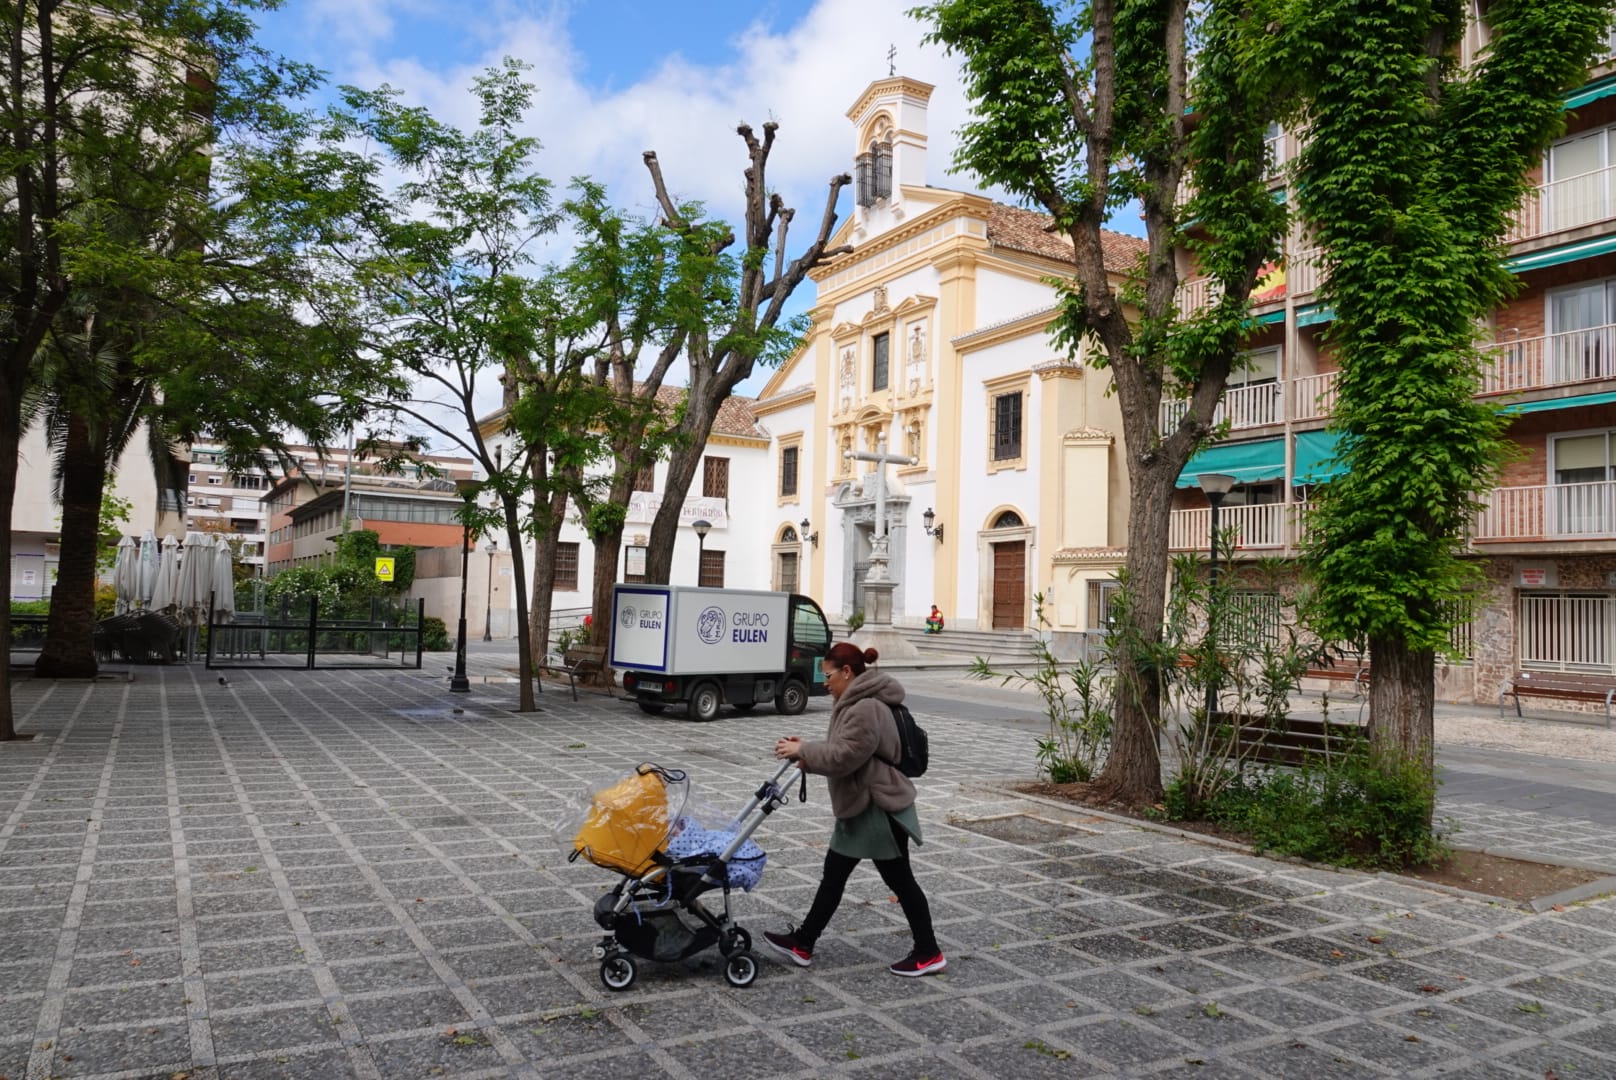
(488, 616)
(458, 683)
(702, 528)
(1214, 486)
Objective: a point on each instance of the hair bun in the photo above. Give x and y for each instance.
(870, 656)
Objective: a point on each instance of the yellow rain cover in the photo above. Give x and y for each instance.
(627, 825)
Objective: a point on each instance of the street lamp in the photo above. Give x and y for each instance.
(488, 617)
(458, 683)
(927, 519)
(702, 528)
(1214, 486)
(809, 537)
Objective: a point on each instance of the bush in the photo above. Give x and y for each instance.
(30, 607)
(855, 621)
(1355, 811)
(434, 634)
(106, 601)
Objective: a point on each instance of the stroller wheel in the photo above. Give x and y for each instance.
(741, 970)
(618, 972)
(737, 940)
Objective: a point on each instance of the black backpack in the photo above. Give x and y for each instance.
(914, 750)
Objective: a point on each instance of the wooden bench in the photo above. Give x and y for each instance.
(1356, 674)
(584, 662)
(1293, 741)
(1564, 685)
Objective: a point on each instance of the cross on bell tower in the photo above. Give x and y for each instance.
(892, 60)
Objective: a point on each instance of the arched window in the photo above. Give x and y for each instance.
(1008, 520)
(788, 535)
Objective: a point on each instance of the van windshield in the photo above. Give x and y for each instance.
(809, 631)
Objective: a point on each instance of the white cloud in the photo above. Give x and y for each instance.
(805, 76)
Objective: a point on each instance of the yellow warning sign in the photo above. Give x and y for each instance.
(384, 569)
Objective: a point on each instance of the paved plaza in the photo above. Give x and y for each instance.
(357, 874)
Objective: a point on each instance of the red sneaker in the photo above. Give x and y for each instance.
(915, 965)
(790, 947)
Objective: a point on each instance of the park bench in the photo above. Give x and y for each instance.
(1562, 685)
(1293, 741)
(586, 662)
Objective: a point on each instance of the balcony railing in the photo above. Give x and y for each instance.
(1549, 512)
(1243, 406)
(1259, 527)
(1315, 396)
(1530, 363)
(1197, 294)
(1565, 204)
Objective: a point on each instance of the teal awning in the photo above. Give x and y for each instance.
(1272, 318)
(1316, 457)
(1247, 462)
(1537, 260)
(1313, 314)
(1592, 92)
(1548, 404)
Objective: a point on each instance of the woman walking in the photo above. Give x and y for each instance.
(873, 802)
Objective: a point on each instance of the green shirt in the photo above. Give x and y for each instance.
(869, 835)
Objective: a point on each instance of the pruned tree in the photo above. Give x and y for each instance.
(740, 321)
(1083, 108)
(103, 89)
(1411, 170)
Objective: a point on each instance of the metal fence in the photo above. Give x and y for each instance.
(295, 636)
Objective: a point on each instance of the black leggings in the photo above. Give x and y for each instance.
(899, 877)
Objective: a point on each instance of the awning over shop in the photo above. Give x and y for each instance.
(1586, 249)
(1313, 314)
(1592, 92)
(1247, 462)
(1315, 457)
(1549, 404)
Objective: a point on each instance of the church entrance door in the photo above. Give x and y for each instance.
(1010, 585)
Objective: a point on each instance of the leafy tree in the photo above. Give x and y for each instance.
(91, 99)
(1083, 108)
(736, 322)
(440, 263)
(1411, 170)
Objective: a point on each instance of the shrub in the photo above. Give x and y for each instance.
(1077, 700)
(1357, 810)
(434, 634)
(30, 607)
(855, 621)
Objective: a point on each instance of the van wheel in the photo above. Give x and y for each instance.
(655, 708)
(704, 702)
(792, 698)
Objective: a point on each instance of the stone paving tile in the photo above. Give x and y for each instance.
(350, 899)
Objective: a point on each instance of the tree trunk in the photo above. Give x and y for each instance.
(524, 638)
(607, 546)
(544, 573)
(1402, 702)
(1132, 770)
(69, 651)
(10, 438)
(700, 411)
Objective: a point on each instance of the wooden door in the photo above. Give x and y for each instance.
(1010, 586)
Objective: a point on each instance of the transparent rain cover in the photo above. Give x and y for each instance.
(626, 823)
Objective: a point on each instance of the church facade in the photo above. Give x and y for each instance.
(930, 345)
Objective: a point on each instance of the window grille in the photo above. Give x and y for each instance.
(1007, 426)
(712, 570)
(715, 477)
(1566, 631)
(566, 566)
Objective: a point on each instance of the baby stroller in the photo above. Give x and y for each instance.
(639, 828)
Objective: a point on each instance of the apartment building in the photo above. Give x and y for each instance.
(1546, 539)
(415, 506)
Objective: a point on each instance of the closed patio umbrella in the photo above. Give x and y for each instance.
(150, 553)
(125, 576)
(195, 577)
(167, 575)
(224, 583)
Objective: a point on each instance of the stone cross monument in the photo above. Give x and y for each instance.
(878, 584)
